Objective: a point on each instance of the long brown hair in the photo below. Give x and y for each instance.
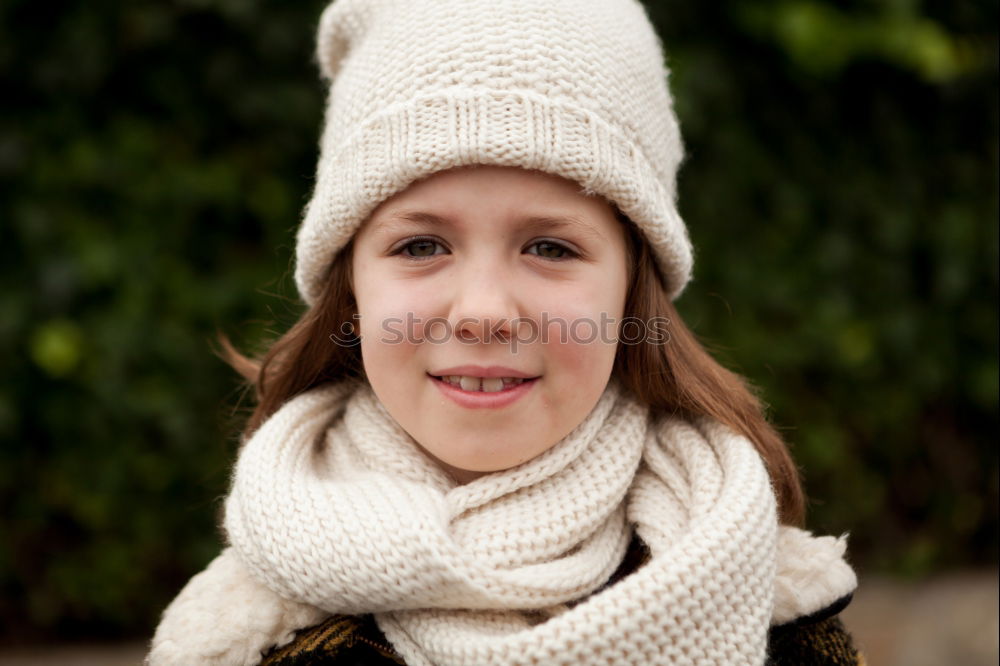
(678, 377)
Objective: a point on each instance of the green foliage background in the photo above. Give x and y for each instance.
(841, 191)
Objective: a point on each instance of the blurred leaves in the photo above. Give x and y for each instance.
(840, 189)
(56, 347)
(153, 164)
(822, 39)
(841, 192)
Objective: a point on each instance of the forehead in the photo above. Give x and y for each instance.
(524, 198)
(403, 217)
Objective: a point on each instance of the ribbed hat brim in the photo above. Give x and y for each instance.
(465, 126)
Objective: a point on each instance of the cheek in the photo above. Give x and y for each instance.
(584, 352)
(582, 338)
(587, 314)
(394, 313)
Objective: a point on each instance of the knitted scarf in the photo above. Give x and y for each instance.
(335, 508)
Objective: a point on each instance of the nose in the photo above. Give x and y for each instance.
(484, 305)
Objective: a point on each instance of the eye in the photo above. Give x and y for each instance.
(418, 248)
(552, 250)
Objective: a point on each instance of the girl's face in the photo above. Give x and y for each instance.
(489, 300)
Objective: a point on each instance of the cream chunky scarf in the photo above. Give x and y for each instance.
(334, 509)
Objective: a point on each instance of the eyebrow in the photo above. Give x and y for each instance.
(547, 222)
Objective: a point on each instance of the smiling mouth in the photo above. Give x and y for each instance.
(483, 384)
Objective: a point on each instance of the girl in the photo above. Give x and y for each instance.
(490, 439)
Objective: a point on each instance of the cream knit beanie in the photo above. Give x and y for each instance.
(576, 88)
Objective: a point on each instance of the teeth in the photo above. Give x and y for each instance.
(484, 384)
(492, 384)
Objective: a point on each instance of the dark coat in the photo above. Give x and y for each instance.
(819, 639)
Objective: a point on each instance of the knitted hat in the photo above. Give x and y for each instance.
(575, 88)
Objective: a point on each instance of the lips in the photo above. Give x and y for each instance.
(484, 384)
(485, 394)
(482, 371)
